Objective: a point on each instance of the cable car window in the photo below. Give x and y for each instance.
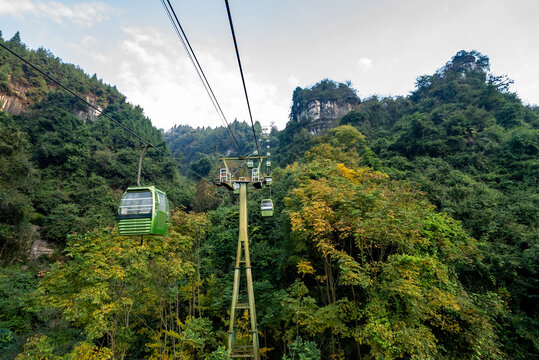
(266, 205)
(136, 203)
(162, 202)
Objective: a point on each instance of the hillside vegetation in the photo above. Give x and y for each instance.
(472, 147)
(409, 231)
(62, 171)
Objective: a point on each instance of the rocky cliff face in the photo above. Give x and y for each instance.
(90, 113)
(319, 107)
(39, 248)
(15, 101)
(11, 104)
(323, 115)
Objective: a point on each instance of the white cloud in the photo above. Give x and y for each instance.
(84, 14)
(364, 64)
(155, 73)
(15, 7)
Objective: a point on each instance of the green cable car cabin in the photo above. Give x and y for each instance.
(266, 207)
(143, 210)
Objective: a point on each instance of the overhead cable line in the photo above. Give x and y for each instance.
(77, 96)
(241, 72)
(189, 50)
(130, 131)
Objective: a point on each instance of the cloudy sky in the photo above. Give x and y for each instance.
(381, 46)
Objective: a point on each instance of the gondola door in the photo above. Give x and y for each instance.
(161, 210)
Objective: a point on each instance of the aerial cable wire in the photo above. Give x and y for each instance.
(190, 53)
(194, 60)
(78, 96)
(241, 72)
(127, 129)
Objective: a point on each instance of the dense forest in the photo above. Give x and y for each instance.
(407, 231)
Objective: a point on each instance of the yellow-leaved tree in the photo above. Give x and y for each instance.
(127, 297)
(378, 276)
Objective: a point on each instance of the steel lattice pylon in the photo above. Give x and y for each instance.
(243, 258)
(243, 344)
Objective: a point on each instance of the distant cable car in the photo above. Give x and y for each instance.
(268, 180)
(143, 210)
(266, 207)
(236, 187)
(250, 163)
(268, 163)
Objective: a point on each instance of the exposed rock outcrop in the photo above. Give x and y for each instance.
(323, 115)
(90, 113)
(319, 107)
(11, 104)
(40, 247)
(15, 101)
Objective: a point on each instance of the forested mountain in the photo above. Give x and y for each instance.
(64, 168)
(201, 148)
(404, 228)
(191, 144)
(472, 147)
